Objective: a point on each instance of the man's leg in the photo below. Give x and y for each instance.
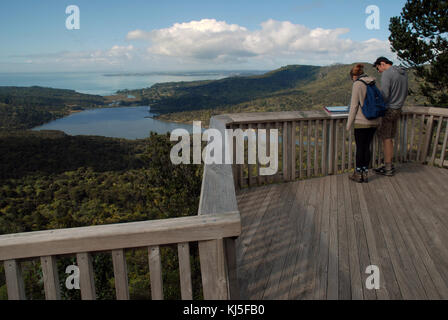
(388, 148)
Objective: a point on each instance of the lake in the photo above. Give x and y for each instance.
(126, 122)
(123, 122)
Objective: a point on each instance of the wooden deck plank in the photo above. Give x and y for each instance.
(316, 200)
(320, 290)
(302, 265)
(296, 223)
(363, 193)
(314, 238)
(422, 241)
(252, 245)
(409, 239)
(279, 253)
(388, 279)
(363, 253)
(333, 256)
(355, 271)
(343, 263)
(408, 287)
(262, 243)
(276, 246)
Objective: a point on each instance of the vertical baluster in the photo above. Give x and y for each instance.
(276, 125)
(249, 166)
(120, 274)
(445, 140)
(234, 165)
(213, 269)
(285, 154)
(331, 148)
(344, 124)
(259, 126)
(350, 149)
(183, 250)
(241, 166)
(14, 280)
(411, 146)
(51, 278)
(155, 272)
(324, 148)
(268, 147)
(86, 276)
(301, 149)
(421, 138)
(293, 150)
(316, 142)
(436, 141)
(428, 137)
(308, 149)
(336, 149)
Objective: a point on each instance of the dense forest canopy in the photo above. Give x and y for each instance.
(52, 180)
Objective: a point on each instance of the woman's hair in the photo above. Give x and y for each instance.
(357, 70)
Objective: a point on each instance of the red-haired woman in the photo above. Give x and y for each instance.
(364, 128)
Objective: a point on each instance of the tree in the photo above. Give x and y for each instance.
(419, 37)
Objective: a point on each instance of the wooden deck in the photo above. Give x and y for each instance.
(313, 239)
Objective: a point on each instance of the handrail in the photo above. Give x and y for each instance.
(314, 143)
(118, 236)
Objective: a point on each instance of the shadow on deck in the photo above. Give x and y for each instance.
(314, 239)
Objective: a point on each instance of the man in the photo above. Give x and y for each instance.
(394, 88)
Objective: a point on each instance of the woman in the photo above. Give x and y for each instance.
(364, 128)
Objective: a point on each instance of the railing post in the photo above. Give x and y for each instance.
(51, 278)
(331, 132)
(86, 276)
(428, 138)
(213, 269)
(14, 280)
(232, 275)
(120, 274)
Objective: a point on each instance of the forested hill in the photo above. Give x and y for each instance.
(288, 88)
(26, 107)
(182, 96)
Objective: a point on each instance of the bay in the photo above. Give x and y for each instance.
(121, 122)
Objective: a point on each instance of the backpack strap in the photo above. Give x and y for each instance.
(367, 84)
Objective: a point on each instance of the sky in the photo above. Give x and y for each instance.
(174, 35)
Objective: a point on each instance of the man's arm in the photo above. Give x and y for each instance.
(385, 87)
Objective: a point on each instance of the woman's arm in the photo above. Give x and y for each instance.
(354, 104)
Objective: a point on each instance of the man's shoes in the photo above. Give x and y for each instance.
(385, 172)
(356, 176)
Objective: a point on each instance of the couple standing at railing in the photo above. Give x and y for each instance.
(366, 98)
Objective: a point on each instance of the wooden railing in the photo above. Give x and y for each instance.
(214, 229)
(313, 143)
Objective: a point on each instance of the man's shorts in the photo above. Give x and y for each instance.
(388, 126)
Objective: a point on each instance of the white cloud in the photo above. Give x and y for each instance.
(114, 56)
(209, 40)
(209, 43)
